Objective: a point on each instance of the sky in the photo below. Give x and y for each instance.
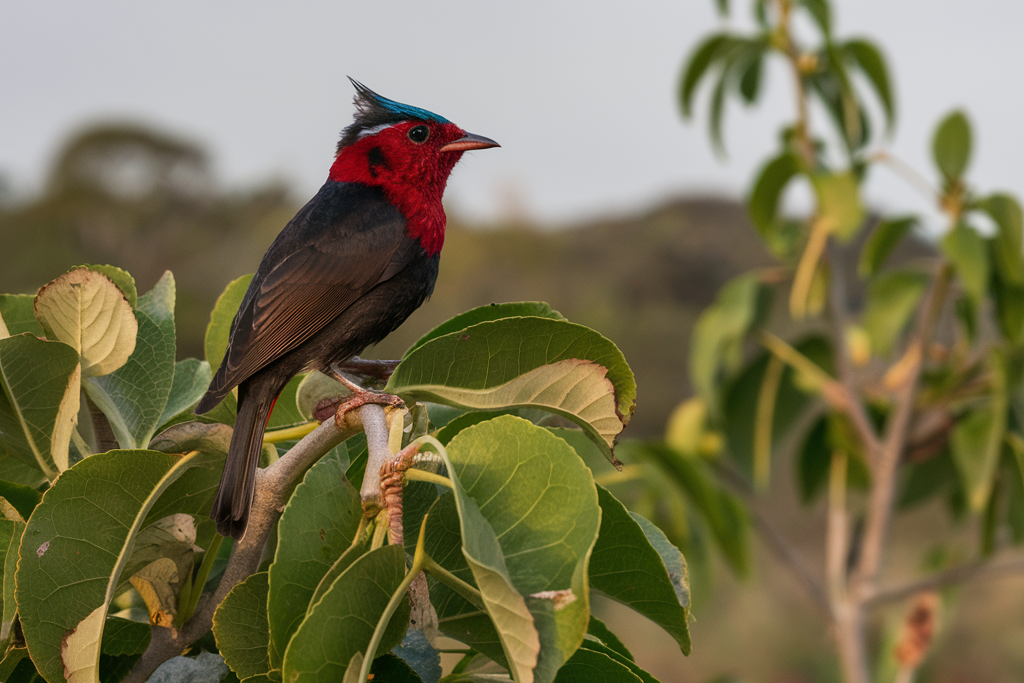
(581, 95)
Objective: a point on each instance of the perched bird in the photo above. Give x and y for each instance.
(347, 270)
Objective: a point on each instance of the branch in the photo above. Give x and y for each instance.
(854, 406)
(883, 483)
(777, 543)
(274, 485)
(975, 570)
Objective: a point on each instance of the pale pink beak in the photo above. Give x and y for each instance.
(468, 142)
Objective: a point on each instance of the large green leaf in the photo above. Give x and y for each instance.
(218, 331)
(871, 62)
(39, 401)
(880, 243)
(318, 525)
(458, 618)
(240, 626)
(23, 498)
(134, 396)
(85, 310)
(967, 250)
(951, 146)
(1008, 242)
(79, 541)
(724, 515)
(10, 539)
(839, 204)
(514, 482)
(590, 665)
(535, 362)
(628, 565)
(17, 315)
(892, 300)
(703, 56)
(191, 378)
(764, 198)
(517, 309)
(717, 340)
(339, 627)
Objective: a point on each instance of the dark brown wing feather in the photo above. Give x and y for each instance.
(344, 242)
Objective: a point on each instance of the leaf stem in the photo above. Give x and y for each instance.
(418, 561)
(189, 607)
(455, 583)
(413, 474)
(290, 434)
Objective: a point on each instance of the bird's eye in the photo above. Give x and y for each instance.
(419, 134)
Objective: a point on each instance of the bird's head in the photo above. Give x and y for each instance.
(409, 152)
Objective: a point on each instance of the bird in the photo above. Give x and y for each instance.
(344, 273)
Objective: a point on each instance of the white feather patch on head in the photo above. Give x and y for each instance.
(375, 130)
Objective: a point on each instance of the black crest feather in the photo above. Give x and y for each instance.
(374, 110)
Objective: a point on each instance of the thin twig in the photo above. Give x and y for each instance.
(884, 473)
(988, 569)
(776, 542)
(855, 409)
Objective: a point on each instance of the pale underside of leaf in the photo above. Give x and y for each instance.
(81, 656)
(577, 389)
(87, 311)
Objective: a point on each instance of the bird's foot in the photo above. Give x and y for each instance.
(379, 370)
(339, 406)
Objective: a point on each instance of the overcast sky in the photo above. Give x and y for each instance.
(582, 95)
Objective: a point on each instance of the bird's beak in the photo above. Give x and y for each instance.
(468, 142)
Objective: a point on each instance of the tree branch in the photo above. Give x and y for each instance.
(883, 483)
(274, 485)
(982, 569)
(777, 543)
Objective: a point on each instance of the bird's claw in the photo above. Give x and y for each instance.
(346, 405)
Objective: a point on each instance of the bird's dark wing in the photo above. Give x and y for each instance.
(323, 261)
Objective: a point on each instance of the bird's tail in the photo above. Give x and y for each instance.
(238, 483)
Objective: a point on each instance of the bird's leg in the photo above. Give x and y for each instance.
(378, 370)
(341, 405)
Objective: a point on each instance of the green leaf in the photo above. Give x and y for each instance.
(717, 111)
(872, 64)
(10, 539)
(79, 541)
(590, 666)
(750, 80)
(977, 438)
(240, 627)
(839, 205)
(550, 364)
(23, 498)
(893, 298)
(629, 566)
(697, 65)
(122, 278)
(598, 629)
(951, 146)
(718, 335)
(821, 13)
(17, 315)
(85, 310)
(191, 378)
(391, 669)
(223, 314)
(723, 7)
(814, 461)
(39, 401)
(134, 396)
(519, 481)
(880, 243)
(1008, 243)
(286, 411)
(339, 627)
(318, 525)
(594, 645)
(764, 198)
(724, 515)
(123, 637)
(519, 309)
(968, 252)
